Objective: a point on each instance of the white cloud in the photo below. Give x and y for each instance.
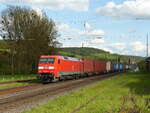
(77, 5)
(138, 46)
(132, 48)
(137, 9)
(66, 32)
(108, 49)
(119, 46)
(97, 32)
(80, 36)
(39, 11)
(74, 32)
(93, 33)
(97, 40)
(89, 31)
(63, 27)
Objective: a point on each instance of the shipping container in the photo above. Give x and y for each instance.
(116, 67)
(121, 67)
(108, 66)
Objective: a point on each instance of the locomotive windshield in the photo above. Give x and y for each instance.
(47, 61)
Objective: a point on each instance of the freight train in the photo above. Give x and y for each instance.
(55, 68)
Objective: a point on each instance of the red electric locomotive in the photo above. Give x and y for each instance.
(57, 67)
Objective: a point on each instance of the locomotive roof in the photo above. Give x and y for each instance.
(70, 58)
(62, 57)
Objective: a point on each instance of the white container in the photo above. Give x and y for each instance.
(108, 66)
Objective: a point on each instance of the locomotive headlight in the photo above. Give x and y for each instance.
(41, 67)
(51, 67)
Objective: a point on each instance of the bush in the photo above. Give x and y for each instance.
(142, 66)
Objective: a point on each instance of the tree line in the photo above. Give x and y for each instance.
(28, 35)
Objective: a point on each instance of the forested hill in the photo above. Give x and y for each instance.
(93, 53)
(85, 52)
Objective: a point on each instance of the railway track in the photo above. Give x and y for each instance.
(16, 101)
(19, 88)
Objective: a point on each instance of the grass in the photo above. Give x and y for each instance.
(3, 86)
(127, 93)
(4, 78)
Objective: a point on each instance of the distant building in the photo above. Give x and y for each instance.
(148, 64)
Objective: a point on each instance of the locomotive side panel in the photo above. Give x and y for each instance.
(67, 67)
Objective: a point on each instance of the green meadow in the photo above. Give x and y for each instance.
(4, 86)
(4, 78)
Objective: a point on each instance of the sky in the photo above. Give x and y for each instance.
(117, 26)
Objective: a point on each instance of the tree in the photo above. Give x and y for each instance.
(28, 35)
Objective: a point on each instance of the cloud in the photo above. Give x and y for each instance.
(133, 48)
(74, 32)
(76, 5)
(63, 27)
(97, 40)
(138, 46)
(39, 11)
(135, 9)
(93, 33)
(88, 38)
(108, 49)
(119, 46)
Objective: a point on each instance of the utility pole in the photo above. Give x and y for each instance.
(147, 46)
(82, 45)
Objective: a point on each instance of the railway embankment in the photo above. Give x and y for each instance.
(128, 93)
(18, 99)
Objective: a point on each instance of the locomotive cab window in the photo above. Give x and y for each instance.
(58, 61)
(47, 61)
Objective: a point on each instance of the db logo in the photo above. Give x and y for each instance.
(46, 67)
